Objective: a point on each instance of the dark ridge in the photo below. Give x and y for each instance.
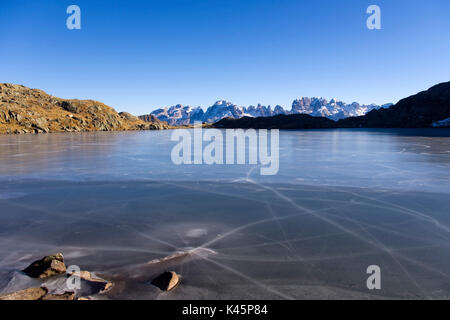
(418, 111)
(295, 121)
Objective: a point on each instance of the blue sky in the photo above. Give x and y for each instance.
(139, 55)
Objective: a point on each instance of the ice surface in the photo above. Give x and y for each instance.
(115, 205)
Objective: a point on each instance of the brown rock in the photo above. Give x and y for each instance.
(128, 116)
(166, 281)
(64, 296)
(46, 267)
(27, 294)
(100, 285)
(66, 105)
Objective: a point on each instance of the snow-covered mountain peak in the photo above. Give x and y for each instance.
(314, 106)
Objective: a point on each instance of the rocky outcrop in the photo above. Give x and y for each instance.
(151, 120)
(129, 117)
(148, 118)
(166, 281)
(46, 267)
(25, 110)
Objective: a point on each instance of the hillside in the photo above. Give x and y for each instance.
(25, 110)
(421, 110)
(150, 118)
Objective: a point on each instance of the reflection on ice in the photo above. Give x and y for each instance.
(10, 195)
(402, 159)
(196, 233)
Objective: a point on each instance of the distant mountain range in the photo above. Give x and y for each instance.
(430, 108)
(25, 110)
(318, 107)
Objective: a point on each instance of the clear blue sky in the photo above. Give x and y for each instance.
(140, 55)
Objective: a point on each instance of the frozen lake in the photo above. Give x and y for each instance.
(343, 200)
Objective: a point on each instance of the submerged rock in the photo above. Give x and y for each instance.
(46, 267)
(166, 281)
(27, 294)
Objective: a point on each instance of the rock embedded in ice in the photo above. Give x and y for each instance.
(46, 267)
(94, 283)
(166, 281)
(27, 294)
(41, 293)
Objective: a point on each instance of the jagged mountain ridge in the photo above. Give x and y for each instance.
(318, 107)
(430, 108)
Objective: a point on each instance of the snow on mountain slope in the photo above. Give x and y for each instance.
(317, 107)
(179, 115)
(334, 109)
